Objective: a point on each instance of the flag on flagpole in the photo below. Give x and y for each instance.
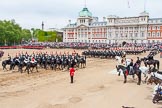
(128, 4)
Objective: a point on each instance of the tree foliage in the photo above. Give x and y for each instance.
(48, 36)
(11, 33)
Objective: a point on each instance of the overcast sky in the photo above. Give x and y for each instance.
(56, 13)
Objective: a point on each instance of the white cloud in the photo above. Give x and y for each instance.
(56, 13)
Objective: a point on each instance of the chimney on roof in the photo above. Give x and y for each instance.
(104, 19)
(69, 21)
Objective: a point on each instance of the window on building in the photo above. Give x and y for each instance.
(154, 28)
(121, 35)
(136, 34)
(153, 34)
(131, 28)
(131, 34)
(121, 28)
(116, 34)
(109, 34)
(136, 28)
(142, 34)
(158, 27)
(158, 34)
(149, 34)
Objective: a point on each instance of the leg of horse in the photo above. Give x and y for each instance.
(133, 77)
(155, 98)
(20, 69)
(146, 79)
(31, 70)
(125, 78)
(11, 67)
(145, 64)
(36, 68)
(6, 68)
(119, 74)
(28, 70)
(139, 78)
(154, 65)
(158, 63)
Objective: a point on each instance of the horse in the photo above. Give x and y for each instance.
(154, 80)
(6, 62)
(82, 61)
(14, 62)
(150, 61)
(121, 68)
(145, 71)
(30, 65)
(53, 63)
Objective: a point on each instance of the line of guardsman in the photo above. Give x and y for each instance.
(130, 50)
(46, 61)
(112, 52)
(102, 54)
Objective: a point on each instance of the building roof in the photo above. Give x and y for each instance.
(85, 13)
(99, 23)
(155, 19)
(144, 13)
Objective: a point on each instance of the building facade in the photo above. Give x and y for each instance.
(113, 29)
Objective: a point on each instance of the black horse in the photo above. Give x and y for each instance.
(14, 63)
(155, 63)
(30, 65)
(82, 61)
(121, 68)
(6, 62)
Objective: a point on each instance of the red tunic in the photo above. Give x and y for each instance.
(72, 71)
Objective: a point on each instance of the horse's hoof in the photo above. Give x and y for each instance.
(138, 83)
(124, 81)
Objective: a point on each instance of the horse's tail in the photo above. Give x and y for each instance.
(2, 63)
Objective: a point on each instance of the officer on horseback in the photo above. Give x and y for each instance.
(138, 61)
(9, 57)
(130, 67)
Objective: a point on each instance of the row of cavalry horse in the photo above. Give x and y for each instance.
(110, 54)
(150, 65)
(54, 62)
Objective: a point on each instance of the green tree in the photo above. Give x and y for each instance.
(11, 33)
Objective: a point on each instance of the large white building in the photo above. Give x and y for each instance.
(113, 29)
